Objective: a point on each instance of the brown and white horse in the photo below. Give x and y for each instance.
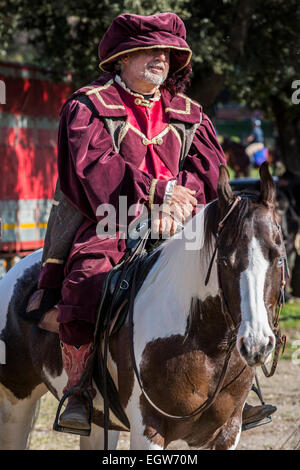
(181, 333)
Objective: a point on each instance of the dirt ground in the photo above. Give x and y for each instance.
(282, 390)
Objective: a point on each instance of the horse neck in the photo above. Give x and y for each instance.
(179, 275)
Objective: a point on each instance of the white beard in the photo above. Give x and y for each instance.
(153, 78)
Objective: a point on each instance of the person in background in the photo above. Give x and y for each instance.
(256, 141)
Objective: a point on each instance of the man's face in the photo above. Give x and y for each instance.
(150, 65)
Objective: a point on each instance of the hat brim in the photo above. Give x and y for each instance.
(177, 61)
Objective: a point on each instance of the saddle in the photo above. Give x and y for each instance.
(41, 304)
(117, 285)
(112, 313)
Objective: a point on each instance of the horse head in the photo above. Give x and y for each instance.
(251, 264)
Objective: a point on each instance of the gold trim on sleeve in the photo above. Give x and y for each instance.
(54, 261)
(151, 192)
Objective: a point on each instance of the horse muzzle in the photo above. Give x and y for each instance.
(255, 350)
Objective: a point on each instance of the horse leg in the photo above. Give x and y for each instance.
(138, 441)
(228, 437)
(96, 439)
(16, 417)
(143, 437)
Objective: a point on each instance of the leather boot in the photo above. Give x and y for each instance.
(254, 414)
(76, 414)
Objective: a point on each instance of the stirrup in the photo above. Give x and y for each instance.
(82, 432)
(259, 422)
(255, 424)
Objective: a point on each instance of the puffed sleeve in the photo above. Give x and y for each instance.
(91, 173)
(200, 171)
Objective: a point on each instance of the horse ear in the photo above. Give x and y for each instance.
(267, 185)
(224, 189)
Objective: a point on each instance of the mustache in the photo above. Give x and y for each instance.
(157, 63)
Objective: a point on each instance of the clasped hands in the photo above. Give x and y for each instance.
(180, 208)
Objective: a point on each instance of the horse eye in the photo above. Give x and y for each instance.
(280, 262)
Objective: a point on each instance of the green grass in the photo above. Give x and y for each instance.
(290, 316)
(290, 326)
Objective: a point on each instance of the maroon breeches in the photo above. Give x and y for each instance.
(89, 262)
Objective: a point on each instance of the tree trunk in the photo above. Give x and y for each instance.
(205, 90)
(295, 282)
(288, 125)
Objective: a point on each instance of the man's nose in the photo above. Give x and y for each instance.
(162, 55)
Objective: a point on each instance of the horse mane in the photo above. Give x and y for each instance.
(178, 261)
(183, 259)
(213, 217)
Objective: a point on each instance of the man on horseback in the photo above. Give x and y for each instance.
(131, 133)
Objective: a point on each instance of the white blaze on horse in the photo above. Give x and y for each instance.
(200, 324)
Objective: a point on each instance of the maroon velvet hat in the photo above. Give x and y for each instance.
(129, 33)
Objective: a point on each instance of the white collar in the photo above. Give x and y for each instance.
(140, 99)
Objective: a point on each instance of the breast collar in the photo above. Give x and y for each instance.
(140, 100)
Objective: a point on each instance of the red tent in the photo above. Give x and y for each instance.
(28, 135)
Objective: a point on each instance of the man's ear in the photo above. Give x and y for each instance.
(124, 58)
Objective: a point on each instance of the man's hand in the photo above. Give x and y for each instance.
(180, 208)
(164, 223)
(182, 203)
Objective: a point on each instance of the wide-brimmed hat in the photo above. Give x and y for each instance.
(129, 33)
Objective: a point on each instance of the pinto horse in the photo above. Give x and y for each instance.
(200, 325)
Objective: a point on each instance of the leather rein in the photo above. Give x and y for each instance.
(233, 328)
(280, 339)
(231, 342)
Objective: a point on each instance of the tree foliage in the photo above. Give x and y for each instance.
(253, 45)
(250, 46)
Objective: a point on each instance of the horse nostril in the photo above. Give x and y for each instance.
(272, 340)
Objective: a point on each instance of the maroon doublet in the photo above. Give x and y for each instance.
(92, 172)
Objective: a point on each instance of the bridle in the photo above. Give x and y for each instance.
(231, 341)
(233, 328)
(280, 339)
(230, 321)
(208, 402)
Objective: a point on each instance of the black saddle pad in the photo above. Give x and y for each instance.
(122, 281)
(36, 302)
